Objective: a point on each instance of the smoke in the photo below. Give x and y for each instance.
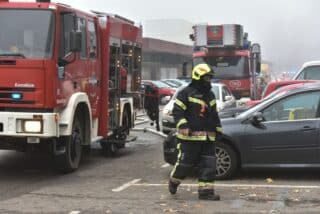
(287, 30)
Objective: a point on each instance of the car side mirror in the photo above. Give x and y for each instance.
(165, 99)
(256, 119)
(228, 98)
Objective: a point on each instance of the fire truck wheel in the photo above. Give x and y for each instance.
(108, 149)
(112, 149)
(69, 161)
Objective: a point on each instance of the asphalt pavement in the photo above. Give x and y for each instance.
(135, 181)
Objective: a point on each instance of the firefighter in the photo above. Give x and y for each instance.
(151, 104)
(198, 127)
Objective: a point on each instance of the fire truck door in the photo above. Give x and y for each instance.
(93, 67)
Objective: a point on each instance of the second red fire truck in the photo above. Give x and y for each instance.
(235, 60)
(60, 79)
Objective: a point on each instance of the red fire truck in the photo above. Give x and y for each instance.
(60, 79)
(236, 62)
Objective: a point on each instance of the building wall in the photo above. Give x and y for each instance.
(162, 59)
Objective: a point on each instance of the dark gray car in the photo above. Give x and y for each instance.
(280, 132)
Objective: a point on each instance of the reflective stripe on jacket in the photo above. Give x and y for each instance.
(197, 112)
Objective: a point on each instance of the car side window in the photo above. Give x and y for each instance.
(296, 107)
(301, 76)
(224, 93)
(310, 73)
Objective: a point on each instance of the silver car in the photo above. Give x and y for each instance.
(224, 99)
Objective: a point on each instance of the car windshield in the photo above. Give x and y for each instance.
(176, 82)
(171, 84)
(215, 90)
(272, 94)
(26, 33)
(228, 67)
(310, 73)
(160, 84)
(254, 108)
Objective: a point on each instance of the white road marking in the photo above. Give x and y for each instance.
(75, 212)
(241, 185)
(165, 165)
(126, 185)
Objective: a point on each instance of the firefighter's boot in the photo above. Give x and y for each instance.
(158, 127)
(208, 194)
(173, 186)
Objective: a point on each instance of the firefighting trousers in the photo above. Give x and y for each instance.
(195, 154)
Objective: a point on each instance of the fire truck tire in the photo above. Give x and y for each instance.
(112, 149)
(109, 149)
(70, 159)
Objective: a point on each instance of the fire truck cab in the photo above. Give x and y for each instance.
(235, 60)
(60, 79)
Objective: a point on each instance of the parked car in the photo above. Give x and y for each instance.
(282, 132)
(224, 99)
(274, 86)
(172, 85)
(163, 89)
(174, 82)
(309, 71)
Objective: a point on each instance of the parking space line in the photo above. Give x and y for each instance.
(126, 185)
(241, 185)
(75, 212)
(165, 165)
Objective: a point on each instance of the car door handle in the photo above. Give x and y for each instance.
(308, 128)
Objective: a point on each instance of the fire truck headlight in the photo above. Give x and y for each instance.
(32, 126)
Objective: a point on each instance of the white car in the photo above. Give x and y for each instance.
(224, 99)
(309, 71)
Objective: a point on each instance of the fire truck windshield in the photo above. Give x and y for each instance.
(26, 33)
(228, 67)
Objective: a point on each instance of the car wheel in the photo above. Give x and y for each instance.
(227, 162)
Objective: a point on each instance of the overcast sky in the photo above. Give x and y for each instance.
(287, 30)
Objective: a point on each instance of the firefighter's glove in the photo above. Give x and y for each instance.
(184, 132)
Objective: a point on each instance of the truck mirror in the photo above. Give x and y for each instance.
(256, 55)
(258, 67)
(191, 36)
(255, 48)
(75, 41)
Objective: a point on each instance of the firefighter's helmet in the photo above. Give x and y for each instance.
(200, 70)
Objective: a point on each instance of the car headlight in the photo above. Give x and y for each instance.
(219, 108)
(167, 112)
(33, 126)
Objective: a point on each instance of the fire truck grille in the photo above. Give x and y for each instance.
(215, 42)
(18, 101)
(15, 95)
(17, 89)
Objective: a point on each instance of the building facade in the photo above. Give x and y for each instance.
(163, 59)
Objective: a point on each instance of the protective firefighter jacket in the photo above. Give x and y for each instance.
(196, 111)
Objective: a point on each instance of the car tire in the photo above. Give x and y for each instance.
(227, 161)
